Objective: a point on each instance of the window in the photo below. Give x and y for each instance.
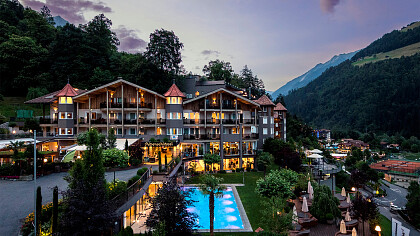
(132, 131)
(277, 124)
(65, 115)
(173, 115)
(66, 131)
(277, 133)
(264, 109)
(264, 120)
(119, 131)
(272, 120)
(173, 100)
(66, 100)
(93, 115)
(132, 100)
(132, 116)
(174, 131)
(264, 131)
(272, 131)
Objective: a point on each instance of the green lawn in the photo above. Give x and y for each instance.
(250, 200)
(9, 106)
(385, 225)
(412, 156)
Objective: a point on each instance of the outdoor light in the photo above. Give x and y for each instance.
(353, 189)
(14, 131)
(45, 160)
(378, 229)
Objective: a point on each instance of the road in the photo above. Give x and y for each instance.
(17, 197)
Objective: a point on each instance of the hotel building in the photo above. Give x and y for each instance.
(210, 116)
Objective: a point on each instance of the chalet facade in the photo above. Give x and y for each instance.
(221, 121)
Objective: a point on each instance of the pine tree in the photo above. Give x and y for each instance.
(38, 210)
(87, 207)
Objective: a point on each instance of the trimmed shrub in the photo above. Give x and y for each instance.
(115, 189)
(141, 171)
(115, 158)
(132, 180)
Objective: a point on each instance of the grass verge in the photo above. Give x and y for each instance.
(385, 225)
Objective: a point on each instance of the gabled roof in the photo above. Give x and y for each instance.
(280, 107)
(49, 98)
(67, 91)
(116, 82)
(264, 101)
(174, 91)
(224, 90)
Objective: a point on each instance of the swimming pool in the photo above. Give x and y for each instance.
(226, 213)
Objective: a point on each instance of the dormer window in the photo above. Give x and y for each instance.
(66, 100)
(173, 100)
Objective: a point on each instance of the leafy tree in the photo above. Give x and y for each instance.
(274, 216)
(115, 158)
(164, 50)
(252, 82)
(136, 154)
(413, 203)
(31, 124)
(126, 145)
(219, 70)
(265, 159)
(364, 208)
(35, 92)
(278, 183)
(324, 203)
(111, 139)
(87, 210)
(169, 206)
(212, 186)
(284, 153)
(211, 159)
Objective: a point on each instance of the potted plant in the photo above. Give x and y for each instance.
(330, 218)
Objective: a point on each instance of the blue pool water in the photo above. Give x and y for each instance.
(226, 213)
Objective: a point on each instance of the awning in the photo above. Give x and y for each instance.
(120, 144)
(315, 151)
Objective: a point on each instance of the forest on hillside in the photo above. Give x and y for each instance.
(36, 57)
(390, 41)
(381, 97)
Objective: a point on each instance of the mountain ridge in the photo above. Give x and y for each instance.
(312, 74)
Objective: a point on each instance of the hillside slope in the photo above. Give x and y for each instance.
(380, 97)
(312, 74)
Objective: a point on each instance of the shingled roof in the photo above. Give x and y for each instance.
(174, 92)
(67, 91)
(265, 101)
(280, 107)
(51, 97)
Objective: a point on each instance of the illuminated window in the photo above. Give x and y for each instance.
(173, 101)
(168, 100)
(264, 131)
(132, 100)
(62, 131)
(62, 115)
(264, 120)
(66, 100)
(69, 115)
(70, 131)
(179, 100)
(264, 109)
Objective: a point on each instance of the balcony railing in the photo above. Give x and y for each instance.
(201, 136)
(127, 105)
(193, 122)
(250, 136)
(48, 121)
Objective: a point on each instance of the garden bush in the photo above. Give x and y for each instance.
(7, 170)
(115, 158)
(222, 171)
(141, 171)
(116, 188)
(132, 180)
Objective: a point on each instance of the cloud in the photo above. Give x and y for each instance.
(129, 40)
(70, 10)
(327, 6)
(210, 53)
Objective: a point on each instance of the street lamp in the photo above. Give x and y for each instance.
(378, 229)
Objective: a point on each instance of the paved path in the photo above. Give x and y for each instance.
(17, 197)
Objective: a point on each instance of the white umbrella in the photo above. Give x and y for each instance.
(311, 193)
(347, 217)
(348, 198)
(354, 232)
(343, 192)
(305, 205)
(309, 186)
(295, 216)
(316, 151)
(343, 227)
(315, 156)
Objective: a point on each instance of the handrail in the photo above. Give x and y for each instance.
(122, 198)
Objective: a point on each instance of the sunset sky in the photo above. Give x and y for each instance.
(278, 40)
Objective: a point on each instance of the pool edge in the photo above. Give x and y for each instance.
(241, 209)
